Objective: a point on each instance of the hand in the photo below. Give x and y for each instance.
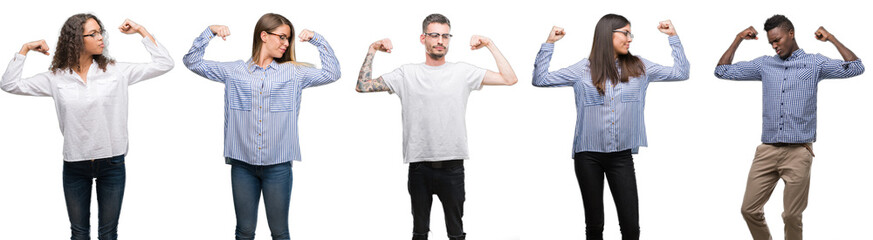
(221, 31)
(38, 45)
(823, 35)
(383, 45)
(129, 27)
(305, 35)
(556, 34)
(666, 27)
(477, 42)
(748, 34)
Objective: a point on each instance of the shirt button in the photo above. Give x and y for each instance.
(786, 68)
(259, 120)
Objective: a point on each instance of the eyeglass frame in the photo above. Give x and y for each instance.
(281, 36)
(626, 33)
(94, 35)
(436, 35)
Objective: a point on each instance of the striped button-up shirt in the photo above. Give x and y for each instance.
(613, 121)
(790, 90)
(261, 105)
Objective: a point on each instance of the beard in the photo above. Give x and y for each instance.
(438, 56)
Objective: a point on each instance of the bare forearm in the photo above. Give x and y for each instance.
(503, 65)
(728, 56)
(847, 54)
(366, 83)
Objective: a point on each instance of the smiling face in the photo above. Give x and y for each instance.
(621, 40)
(93, 38)
(436, 47)
(276, 41)
(782, 41)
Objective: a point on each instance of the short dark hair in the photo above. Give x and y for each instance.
(778, 21)
(434, 18)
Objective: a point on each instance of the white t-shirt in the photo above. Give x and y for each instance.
(434, 102)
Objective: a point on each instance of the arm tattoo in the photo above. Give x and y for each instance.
(366, 83)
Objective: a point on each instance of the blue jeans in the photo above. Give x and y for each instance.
(446, 180)
(110, 175)
(248, 182)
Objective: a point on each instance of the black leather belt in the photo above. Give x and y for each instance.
(441, 164)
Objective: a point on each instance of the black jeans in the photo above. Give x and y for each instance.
(446, 180)
(619, 170)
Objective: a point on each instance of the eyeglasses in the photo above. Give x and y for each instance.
(281, 36)
(436, 35)
(626, 33)
(93, 35)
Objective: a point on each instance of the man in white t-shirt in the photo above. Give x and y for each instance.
(433, 96)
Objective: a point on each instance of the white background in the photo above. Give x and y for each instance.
(520, 180)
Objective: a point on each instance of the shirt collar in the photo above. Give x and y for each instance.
(796, 54)
(252, 66)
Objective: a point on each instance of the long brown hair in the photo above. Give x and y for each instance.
(602, 59)
(71, 43)
(269, 22)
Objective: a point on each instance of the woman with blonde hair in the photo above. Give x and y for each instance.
(262, 103)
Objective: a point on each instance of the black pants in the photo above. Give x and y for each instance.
(446, 180)
(619, 170)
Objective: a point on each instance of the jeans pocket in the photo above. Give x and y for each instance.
(117, 160)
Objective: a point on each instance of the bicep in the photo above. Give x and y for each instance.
(832, 68)
(739, 71)
(493, 78)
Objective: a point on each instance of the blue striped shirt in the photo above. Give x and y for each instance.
(614, 121)
(790, 90)
(261, 105)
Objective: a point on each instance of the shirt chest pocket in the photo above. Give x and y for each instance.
(239, 94)
(631, 90)
(592, 97)
(105, 91)
(805, 73)
(67, 92)
(282, 96)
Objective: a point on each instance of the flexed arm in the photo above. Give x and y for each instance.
(365, 81)
(823, 35)
(330, 67)
(194, 58)
(850, 66)
(681, 68)
(728, 56)
(12, 82)
(505, 76)
(161, 60)
(742, 70)
(564, 77)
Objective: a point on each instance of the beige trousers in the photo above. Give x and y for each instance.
(791, 163)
